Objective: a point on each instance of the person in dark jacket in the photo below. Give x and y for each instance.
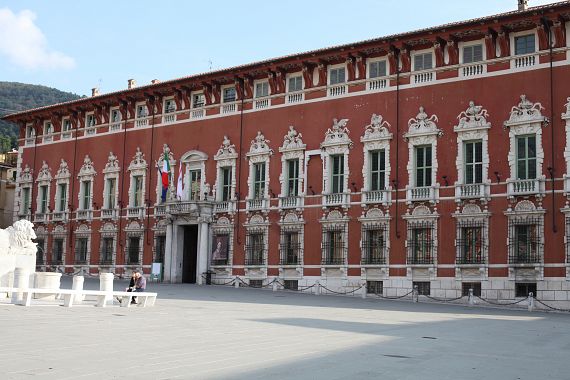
(140, 285)
(131, 284)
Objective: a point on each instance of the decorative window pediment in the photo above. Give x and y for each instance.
(258, 180)
(422, 125)
(112, 165)
(474, 118)
(87, 169)
(292, 169)
(26, 176)
(337, 135)
(138, 162)
(525, 112)
(292, 141)
(227, 150)
(44, 174)
(334, 153)
(259, 146)
(63, 171)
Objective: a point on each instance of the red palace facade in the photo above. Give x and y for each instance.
(438, 158)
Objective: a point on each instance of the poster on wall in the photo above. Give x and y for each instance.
(220, 248)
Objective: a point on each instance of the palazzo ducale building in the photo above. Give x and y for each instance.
(438, 158)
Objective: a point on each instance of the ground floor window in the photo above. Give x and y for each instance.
(470, 243)
(375, 287)
(40, 252)
(423, 287)
(81, 246)
(256, 283)
(291, 284)
(57, 251)
(421, 243)
(255, 248)
(476, 286)
(133, 250)
(525, 241)
(334, 246)
(522, 289)
(107, 248)
(290, 247)
(159, 248)
(374, 244)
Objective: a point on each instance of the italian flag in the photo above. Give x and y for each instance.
(165, 173)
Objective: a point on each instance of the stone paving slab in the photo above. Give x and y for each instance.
(214, 332)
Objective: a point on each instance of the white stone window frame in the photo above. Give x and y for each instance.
(291, 222)
(137, 167)
(90, 129)
(225, 87)
(145, 108)
(566, 117)
(336, 142)
(47, 131)
(376, 137)
(62, 177)
(226, 157)
(422, 131)
(159, 230)
(191, 100)
(59, 232)
(513, 35)
(526, 210)
(259, 152)
(193, 160)
(422, 215)
(25, 181)
(224, 227)
(87, 173)
(44, 178)
(261, 81)
(335, 221)
(472, 127)
(83, 231)
(463, 44)
(472, 213)
(257, 224)
(297, 74)
(108, 230)
(371, 60)
(66, 133)
(42, 234)
(115, 109)
(111, 171)
(293, 148)
(525, 119)
(415, 53)
(134, 230)
(375, 216)
(165, 102)
(30, 132)
(334, 67)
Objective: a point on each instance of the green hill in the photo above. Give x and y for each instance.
(16, 97)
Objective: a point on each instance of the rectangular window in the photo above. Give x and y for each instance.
(476, 286)
(337, 173)
(141, 111)
(337, 76)
(524, 44)
(377, 170)
(226, 184)
(110, 196)
(255, 248)
(81, 250)
(43, 199)
(290, 248)
(40, 251)
(115, 116)
(423, 287)
(107, 250)
(291, 284)
(261, 89)
(295, 83)
(25, 200)
(526, 157)
(473, 162)
(522, 289)
(373, 245)
(159, 248)
(195, 184)
(66, 127)
(57, 255)
(377, 69)
(48, 128)
(375, 287)
(420, 245)
(137, 190)
(292, 178)
(526, 244)
(198, 100)
(423, 165)
(470, 245)
(169, 106)
(133, 253)
(259, 180)
(473, 53)
(62, 201)
(90, 121)
(423, 62)
(334, 248)
(86, 195)
(229, 95)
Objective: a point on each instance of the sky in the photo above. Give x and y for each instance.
(76, 45)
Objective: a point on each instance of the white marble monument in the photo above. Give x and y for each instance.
(17, 251)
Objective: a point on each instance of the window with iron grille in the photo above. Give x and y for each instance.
(524, 44)
(476, 286)
(133, 250)
(473, 161)
(567, 240)
(57, 251)
(337, 173)
(470, 242)
(377, 170)
(423, 165)
(107, 245)
(473, 53)
(423, 287)
(421, 243)
(40, 251)
(159, 248)
(255, 248)
(375, 287)
(81, 250)
(256, 283)
(525, 240)
(334, 246)
(291, 284)
(526, 157)
(293, 177)
(290, 247)
(522, 289)
(374, 244)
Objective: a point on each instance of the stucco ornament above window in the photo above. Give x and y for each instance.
(567, 114)
(474, 117)
(63, 171)
(45, 172)
(293, 139)
(338, 134)
(26, 175)
(87, 169)
(138, 161)
(226, 149)
(377, 129)
(112, 163)
(525, 112)
(259, 145)
(422, 125)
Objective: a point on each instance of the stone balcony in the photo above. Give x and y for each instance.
(472, 191)
(135, 212)
(290, 202)
(376, 197)
(257, 204)
(59, 216)
(336, 199)
(524, 187)
(84, 214)
(421, 194)
(109, 213)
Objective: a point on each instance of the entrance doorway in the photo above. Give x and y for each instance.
(190, 254)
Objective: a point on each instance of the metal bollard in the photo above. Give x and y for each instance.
(236, 283)
(318, 288)
(530, 301)
(415, 295)
(364, 290)
(471, 298)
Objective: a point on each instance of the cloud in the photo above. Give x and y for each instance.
(25, 45)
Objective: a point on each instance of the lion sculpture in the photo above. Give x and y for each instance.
(17, 239)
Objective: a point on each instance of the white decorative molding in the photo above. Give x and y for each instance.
(376, 137)
(293, 148)
(259, 152)
(422, 130)
(83, 231)
(26, 175)
(525, 119)
(226, 157)
(566, 117)
(62, 177)
(111, 171)
(375, 218)
(43, 179)
(86, 173)
(473, 125)
(137, 167)
(337, 142)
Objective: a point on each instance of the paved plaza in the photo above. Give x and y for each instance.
(214, 332)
